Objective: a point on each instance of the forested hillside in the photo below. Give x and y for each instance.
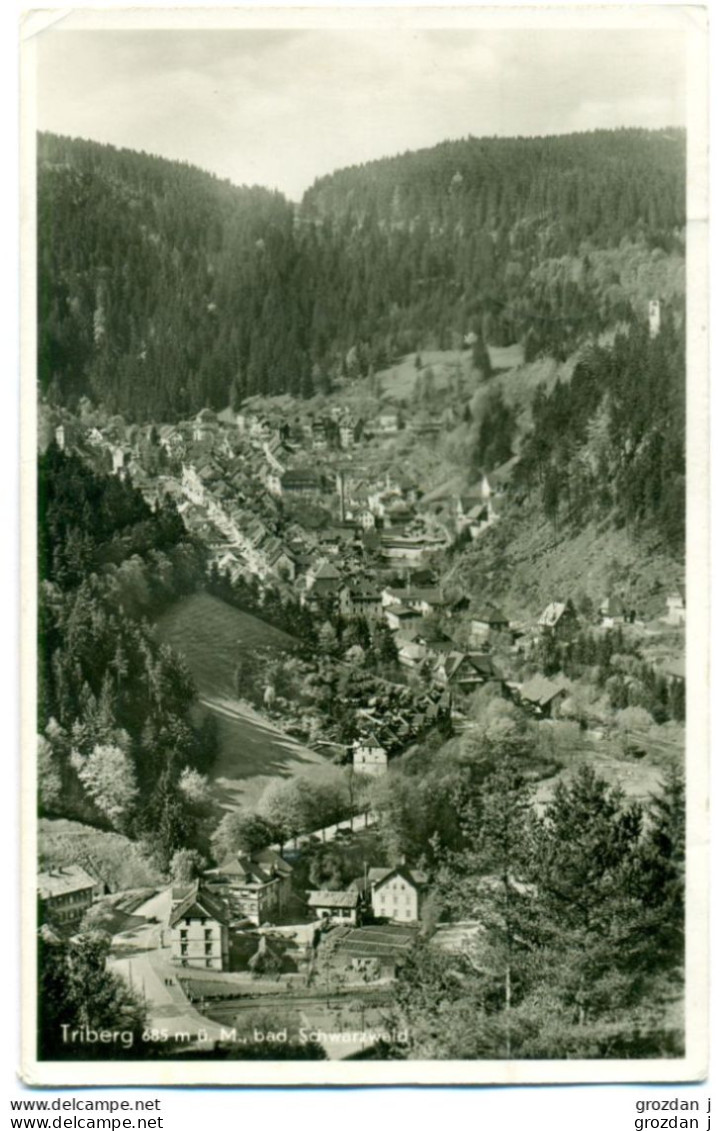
(163, 289)
(160, 286)
(119, 746)
(612, 440)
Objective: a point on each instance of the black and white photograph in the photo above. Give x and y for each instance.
(365, 626)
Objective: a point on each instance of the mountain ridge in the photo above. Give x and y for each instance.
(163, 288)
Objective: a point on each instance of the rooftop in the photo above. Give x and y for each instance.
(541, 690)
(553, 613)
(339, 899)
(63, 881)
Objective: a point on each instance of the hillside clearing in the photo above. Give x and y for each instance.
(523, 563)
(212, 636)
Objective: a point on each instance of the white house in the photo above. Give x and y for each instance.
(397, 893)
(336, 906)
(198, 929)
(369, 756)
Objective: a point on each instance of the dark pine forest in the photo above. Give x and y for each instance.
(163, 289)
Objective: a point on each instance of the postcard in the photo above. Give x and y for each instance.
(365, 525)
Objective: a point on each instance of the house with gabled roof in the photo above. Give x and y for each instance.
(466, 670)
(323, 579)
(401, 616)
(558, 618)
(361, 599)
(488, 619)
(253, 887)
(412, 654)
(198, 928)
(66, 893)
(612, 612)
(231, 563)
(370, 756)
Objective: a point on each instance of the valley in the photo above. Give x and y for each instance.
(362, 594)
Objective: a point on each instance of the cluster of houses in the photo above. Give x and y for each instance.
(375, 593)
(386, 732)
(238, 478)
(248, 892)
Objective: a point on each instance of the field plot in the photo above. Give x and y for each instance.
(211, 636)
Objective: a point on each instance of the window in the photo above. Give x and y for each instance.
(184, 948)
(209, 962)
(183, 933)
(208, 948)
(208, 933)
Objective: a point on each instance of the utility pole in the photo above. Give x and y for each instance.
(508, 1011)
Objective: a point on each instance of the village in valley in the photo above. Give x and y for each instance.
(360, 563)
(319, 522)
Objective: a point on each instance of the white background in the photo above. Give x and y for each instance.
(589, 1108)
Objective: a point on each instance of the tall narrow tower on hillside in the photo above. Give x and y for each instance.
(654, 317)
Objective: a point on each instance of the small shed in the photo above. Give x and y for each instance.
(336, 906)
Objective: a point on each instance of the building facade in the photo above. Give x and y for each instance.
(369, 757)
(397, 894)
(198, 929)
(65, 894)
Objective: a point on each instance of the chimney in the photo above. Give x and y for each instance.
(341, 494)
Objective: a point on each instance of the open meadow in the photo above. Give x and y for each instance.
(211, 636)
